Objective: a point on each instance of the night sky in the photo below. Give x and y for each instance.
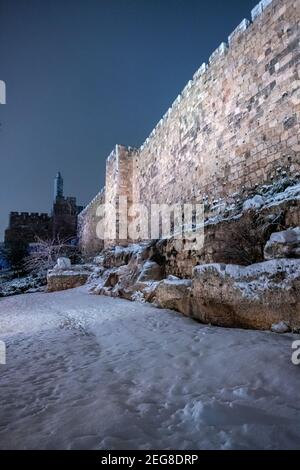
(83, 75)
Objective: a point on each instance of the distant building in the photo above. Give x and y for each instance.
(64, 213)
(25, 227)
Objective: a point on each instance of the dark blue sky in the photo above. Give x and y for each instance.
(83, 75)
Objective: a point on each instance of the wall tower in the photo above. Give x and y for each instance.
(58, 186)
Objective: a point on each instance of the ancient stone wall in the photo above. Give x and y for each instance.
(64, 218)
(237, 122)
(26, 227)
(239, 240)
(88, 219)
(235, 125)
(118, 183)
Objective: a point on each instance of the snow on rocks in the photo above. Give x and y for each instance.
(255, 296)
(129, 272)
(138, 296)
(151, 271)
(99, 260)
(62, 263)
(174, 294)
(63, 279)
(285, 244)
(119, 255)
(254, 203)
(283, 190)
(281, 327)
(124, 282)
(22, 285)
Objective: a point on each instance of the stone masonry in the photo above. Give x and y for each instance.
(234, 126)
(27, 227)
(87, 226)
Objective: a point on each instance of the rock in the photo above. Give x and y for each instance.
(174, 294)
(151, 271)
(280, 327)
(255, 202)
(34, 290)
(255, 296)
(64, 281)
(284, 244)
(62, 263)
(67, 279)
(104, 283)
(145, 290)
(120, 255)
(26, 284)
(116, 282)
(112, 279)
(132, 274)
(172, 278)
(138, 296)
(99, 260)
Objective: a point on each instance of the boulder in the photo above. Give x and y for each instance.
(63, 279)
(280, 328)
(62, 263)
(98, 284)
(151, 271)
(254, 203)
(142, 291)
(133, 280)
(256, 296)
(284, 244)
(174, 294)
(116, 282)
(99, 260)
(122, 255)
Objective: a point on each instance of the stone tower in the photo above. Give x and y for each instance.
(58, 187)
(64, 212)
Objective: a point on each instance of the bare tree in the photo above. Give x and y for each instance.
(45, 255)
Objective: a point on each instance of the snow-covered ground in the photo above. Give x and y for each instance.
(92, 372)
(13, 286)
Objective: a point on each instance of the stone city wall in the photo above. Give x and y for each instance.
(235, 125)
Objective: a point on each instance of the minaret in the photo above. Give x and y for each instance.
(58, 187)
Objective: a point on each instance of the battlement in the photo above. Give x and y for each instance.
(229, 125)
(235, 123)
(99, 197)
(119, 151)
(18, 217)
(27, 227)
(216, 55)
(71, 200)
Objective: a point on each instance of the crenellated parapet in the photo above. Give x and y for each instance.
(27, 217)
(26, 227)
(218, 54)
(233, 127)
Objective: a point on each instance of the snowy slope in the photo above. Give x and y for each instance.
(92, 372)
